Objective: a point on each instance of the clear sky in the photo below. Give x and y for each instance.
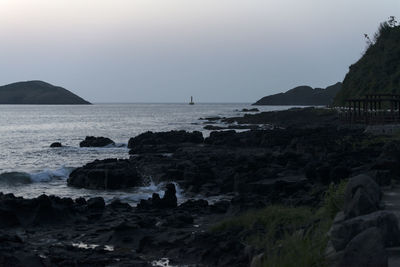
(168, 50)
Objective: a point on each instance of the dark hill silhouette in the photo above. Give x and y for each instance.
(303, 96)
(37, 92)
(378, 70)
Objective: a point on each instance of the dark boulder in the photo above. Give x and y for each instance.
(386, 222)
(92, 141)
(56, 144)
(362, 196)
(105, 174)
(365, 249)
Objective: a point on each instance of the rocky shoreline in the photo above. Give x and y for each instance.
(292, 165)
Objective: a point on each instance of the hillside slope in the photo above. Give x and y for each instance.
(302, 96)
(378, 70)
(37, 92)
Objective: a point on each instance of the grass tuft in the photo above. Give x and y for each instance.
(289, 236)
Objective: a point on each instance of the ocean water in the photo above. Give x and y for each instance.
(29, 167)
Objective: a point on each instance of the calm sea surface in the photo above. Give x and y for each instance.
(26, 131)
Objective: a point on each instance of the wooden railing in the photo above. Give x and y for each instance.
(372, 109)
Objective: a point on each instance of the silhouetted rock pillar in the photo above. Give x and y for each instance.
(169, 200)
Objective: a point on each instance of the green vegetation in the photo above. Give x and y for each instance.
(334, 198)
(378, 70)
(289, 236)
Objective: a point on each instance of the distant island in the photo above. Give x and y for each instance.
(38, 93)
(303, 96)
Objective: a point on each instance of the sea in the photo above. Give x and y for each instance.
(29, 167)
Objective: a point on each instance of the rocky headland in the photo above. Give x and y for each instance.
(275, 195)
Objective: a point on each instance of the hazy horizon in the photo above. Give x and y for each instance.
(135, 51)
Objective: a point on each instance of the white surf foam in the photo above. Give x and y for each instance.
(48, 175)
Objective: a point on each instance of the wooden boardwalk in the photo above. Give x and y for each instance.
(372, 109)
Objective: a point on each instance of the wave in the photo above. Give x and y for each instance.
(48, 175)
(145, 192)
(15, 178)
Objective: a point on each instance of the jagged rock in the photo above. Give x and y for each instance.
(385, 221)
(155, 202)
(365, 249)
(362, 196)
(92, 141)
(105, 174)
(163, 142)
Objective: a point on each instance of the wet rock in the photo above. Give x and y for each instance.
(105, 174)
(92, 141)
(56, 144)
(362, 196)
(365, 249)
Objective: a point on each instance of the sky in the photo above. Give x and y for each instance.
(168, 50)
